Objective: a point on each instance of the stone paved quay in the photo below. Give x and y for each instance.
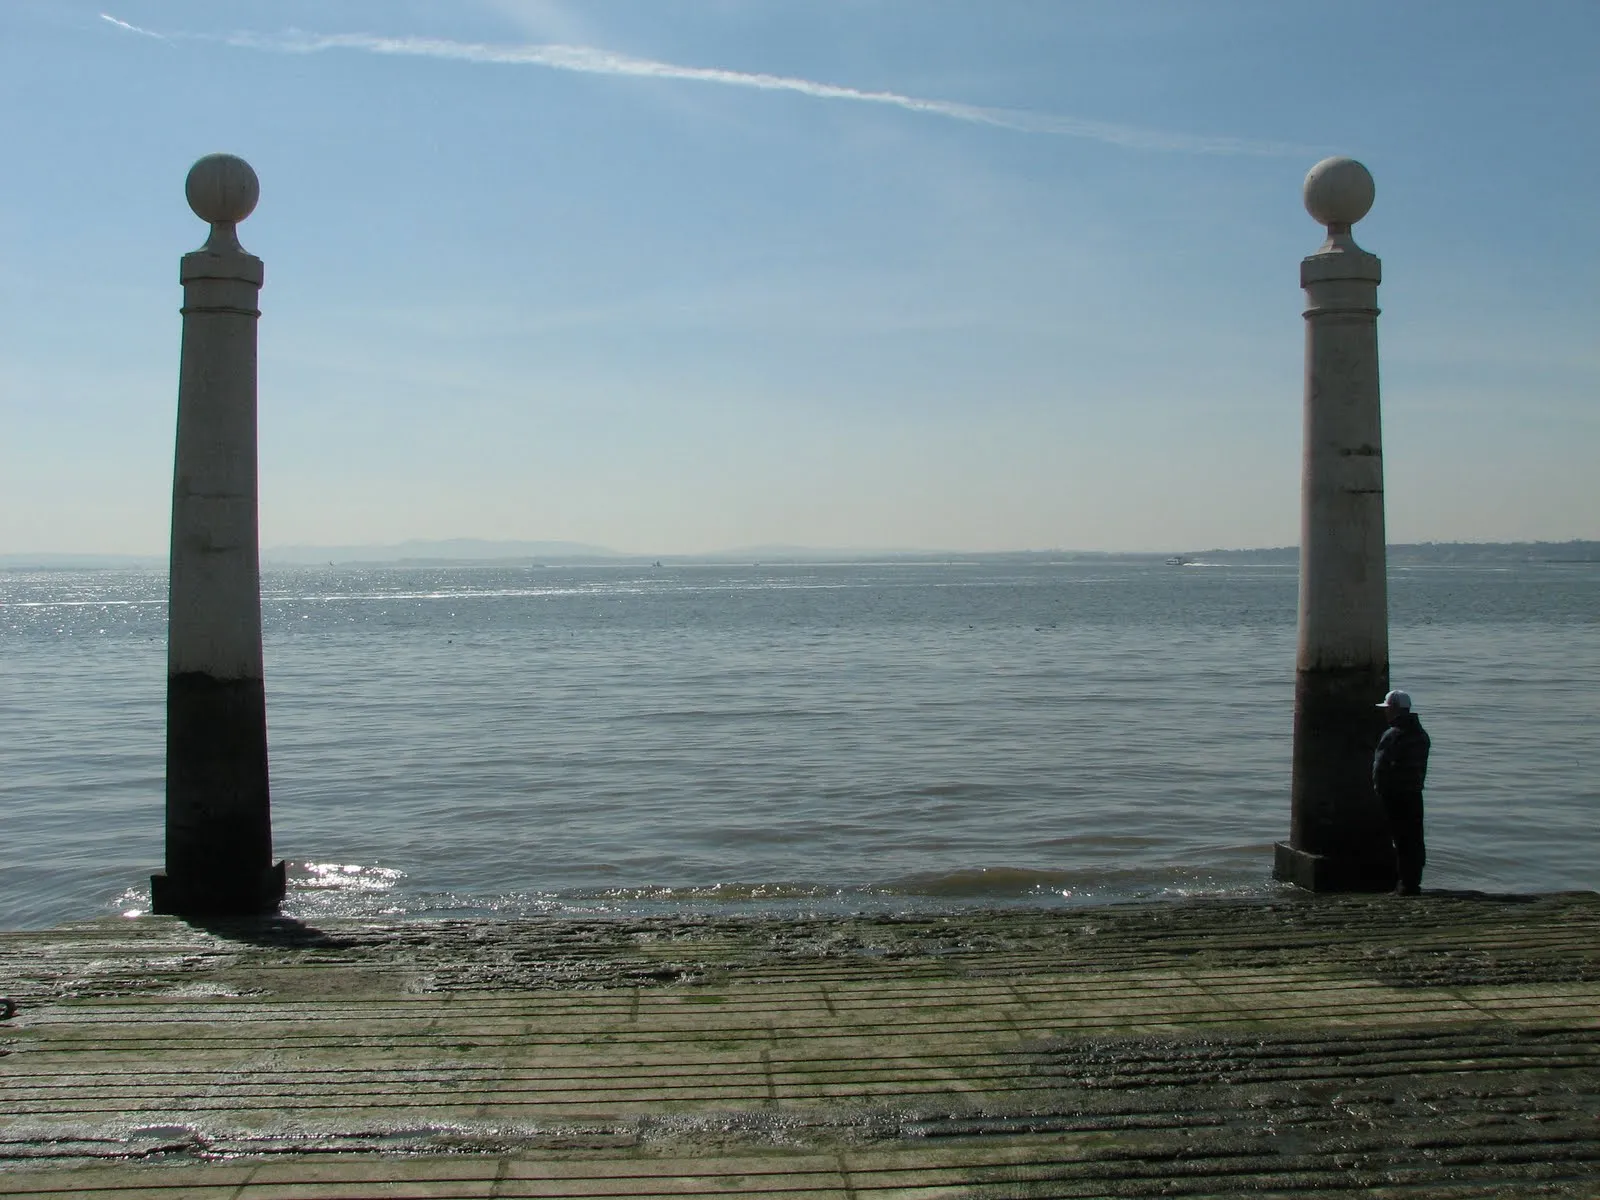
(1447, 1046)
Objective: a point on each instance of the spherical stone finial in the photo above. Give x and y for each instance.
(1339, 191)
(222, 189)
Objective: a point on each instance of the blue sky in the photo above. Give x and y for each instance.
(957, 275)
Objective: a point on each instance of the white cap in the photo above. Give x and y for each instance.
(1400, 700)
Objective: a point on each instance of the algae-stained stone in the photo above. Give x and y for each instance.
(1288, 1047)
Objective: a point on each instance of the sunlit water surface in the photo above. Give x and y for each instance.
(786, 738)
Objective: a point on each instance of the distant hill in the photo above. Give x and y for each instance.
(449, 550)
(82, 562)
(1421, 553)
(1474, 552)
(464, 551)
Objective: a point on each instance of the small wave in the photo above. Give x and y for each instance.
(729, 893)
(659, 716)
(980, 881)
(1075, 886)
(78, 603)
(133, 902)
(384, 597)
(349, 877)
(306, 881)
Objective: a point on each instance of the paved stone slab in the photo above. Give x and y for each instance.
(1436, 1047)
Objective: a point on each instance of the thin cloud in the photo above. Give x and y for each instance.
(149, 33)
(589, 60)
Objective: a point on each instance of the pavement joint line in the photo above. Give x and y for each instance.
(756, 1091)
(771, 1083)
(1038, 1169)
(1482, 1058)
(751, 1032)
(1485, 1014)
(496, 1189)
(1220, 996)
(810, 1069)
(847, 1183)
(765, 1091)
(437, 1016)
(1162, 998)
(245, 1182)
(680, 998)
(956, 983)
(89, 1010)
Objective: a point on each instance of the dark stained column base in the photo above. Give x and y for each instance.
(1338, 833)
(219, 811)
(216, 896)
(1332, 873)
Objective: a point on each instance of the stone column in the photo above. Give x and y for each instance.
(219, 826)
(1338, 839)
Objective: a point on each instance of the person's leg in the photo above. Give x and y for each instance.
(1410, 850)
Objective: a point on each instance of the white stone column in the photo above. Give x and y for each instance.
(1338, 838)
(219, 827)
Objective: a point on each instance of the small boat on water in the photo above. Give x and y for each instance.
(1179, 560)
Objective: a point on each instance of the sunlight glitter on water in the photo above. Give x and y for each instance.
(343, 876)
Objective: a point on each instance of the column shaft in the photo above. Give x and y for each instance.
(218, 810)
(1338, 837)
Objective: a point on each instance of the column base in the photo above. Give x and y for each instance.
(216, 896)
(1328, 873)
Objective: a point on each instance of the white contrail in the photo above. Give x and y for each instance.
(589, 60)
(150, 33)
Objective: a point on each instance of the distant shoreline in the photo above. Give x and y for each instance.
(467, 553)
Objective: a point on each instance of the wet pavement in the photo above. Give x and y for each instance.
(1444, 1046)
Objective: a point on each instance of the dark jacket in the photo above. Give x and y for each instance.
(1400, 763)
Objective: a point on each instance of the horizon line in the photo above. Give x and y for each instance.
(382, 552)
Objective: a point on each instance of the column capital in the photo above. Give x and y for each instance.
(1346, 262)
(236, 266)
(222, 189)
(1338, 192)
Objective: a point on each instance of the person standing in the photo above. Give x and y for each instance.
(1399, 767)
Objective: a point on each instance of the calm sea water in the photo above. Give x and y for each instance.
(782, 738)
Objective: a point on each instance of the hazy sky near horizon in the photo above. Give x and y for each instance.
(674, 277)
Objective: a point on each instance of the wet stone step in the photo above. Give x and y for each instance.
(1443, 1046)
